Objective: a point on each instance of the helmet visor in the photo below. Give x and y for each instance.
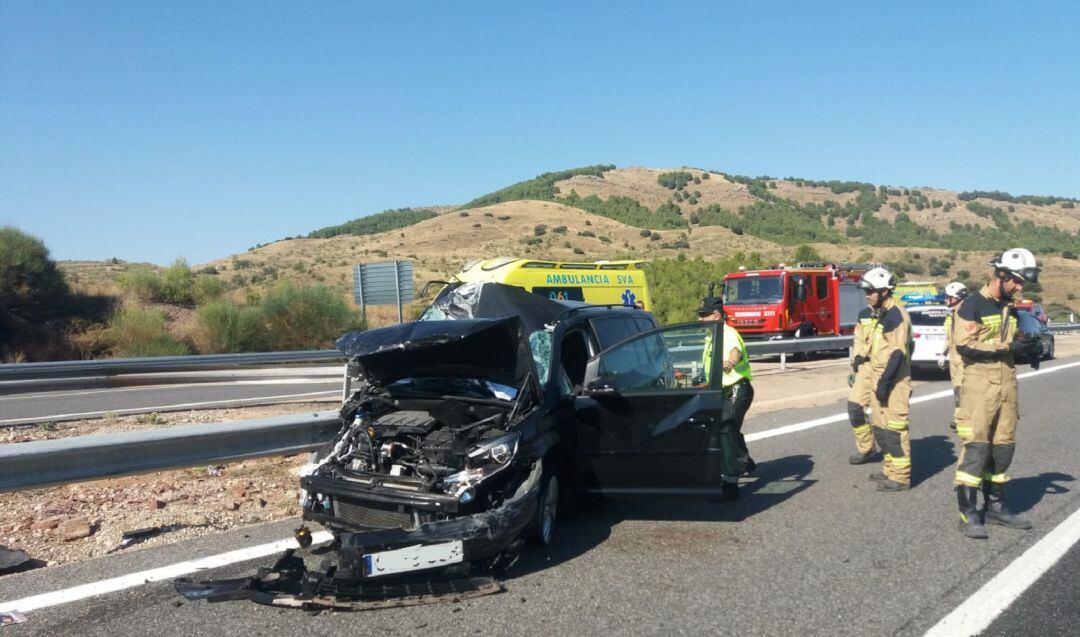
(1031, 275)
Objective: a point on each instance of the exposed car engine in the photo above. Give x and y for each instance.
(450, 448)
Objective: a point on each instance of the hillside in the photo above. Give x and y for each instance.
(602, 212)
(715, 215)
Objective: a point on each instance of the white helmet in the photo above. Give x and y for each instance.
(1018, 261)
(877, 279)
(956, 289)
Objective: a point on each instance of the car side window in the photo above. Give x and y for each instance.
(574, 355)
(612, 329)
(643, 323)
(673, 358)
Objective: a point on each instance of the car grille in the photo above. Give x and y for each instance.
(372, 515)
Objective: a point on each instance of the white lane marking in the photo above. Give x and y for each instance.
(216, 561)
(117, 390)
(981, 609)
(232, 401)
(826, 420)
(75, 593)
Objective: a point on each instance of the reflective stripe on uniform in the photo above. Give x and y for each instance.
(968, 479)
(898, 425)
(899, 462)
(861, 429)
(996, 478)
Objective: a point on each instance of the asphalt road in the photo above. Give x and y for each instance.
(76, 404)
(811, 549)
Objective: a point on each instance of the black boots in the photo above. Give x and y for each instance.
(967, 498)
(862, 458)
(996, 510)
(728, 491)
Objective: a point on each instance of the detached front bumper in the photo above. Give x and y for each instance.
(482, 535)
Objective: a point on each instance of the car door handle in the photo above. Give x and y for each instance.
(699, 422)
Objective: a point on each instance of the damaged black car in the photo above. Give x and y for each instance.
(469, 430)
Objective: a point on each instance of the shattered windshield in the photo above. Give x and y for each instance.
(540, 344)
(753, 290)
(464, 387)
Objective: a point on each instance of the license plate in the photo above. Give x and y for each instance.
(413, 558)
(934, 337)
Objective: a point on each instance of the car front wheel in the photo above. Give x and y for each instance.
(546, 511)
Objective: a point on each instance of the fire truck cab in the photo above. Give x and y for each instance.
(808, 299)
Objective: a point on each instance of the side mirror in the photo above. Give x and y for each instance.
(800, 289)
(600, 387)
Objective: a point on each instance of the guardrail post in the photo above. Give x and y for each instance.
(783, 361)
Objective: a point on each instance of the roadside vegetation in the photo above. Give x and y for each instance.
(678, 285)
(38, 309)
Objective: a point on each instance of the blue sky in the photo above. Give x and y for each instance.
(151, 130)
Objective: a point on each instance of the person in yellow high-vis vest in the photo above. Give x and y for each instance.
(986, 338)
(889, 359)
(738, 395)
(955, 292)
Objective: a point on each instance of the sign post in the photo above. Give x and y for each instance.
(384, 283)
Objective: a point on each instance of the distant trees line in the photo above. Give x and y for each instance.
(1035, 200)
(540, 187)
(376, 223)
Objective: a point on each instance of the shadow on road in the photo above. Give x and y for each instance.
(930, 456)
(773, 482)
(1025, 493)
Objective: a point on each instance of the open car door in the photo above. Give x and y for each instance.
(648, 418)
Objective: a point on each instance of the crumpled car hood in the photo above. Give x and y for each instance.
(491, 349)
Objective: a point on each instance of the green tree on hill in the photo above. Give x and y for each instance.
(541, 187)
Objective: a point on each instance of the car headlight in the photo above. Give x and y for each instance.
(499, 450)
(484, 461)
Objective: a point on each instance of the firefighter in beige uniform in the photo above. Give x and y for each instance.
(987, 340)
(890, 377)
(859, 381)
(955, 292)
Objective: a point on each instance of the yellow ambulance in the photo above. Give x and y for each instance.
(599, 283)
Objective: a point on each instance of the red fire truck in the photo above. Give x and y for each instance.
(809, 299)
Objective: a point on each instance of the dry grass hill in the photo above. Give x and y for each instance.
(545, 227)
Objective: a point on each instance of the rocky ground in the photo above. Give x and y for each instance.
(79, 521)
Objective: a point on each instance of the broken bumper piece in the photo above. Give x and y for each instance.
(289, 584)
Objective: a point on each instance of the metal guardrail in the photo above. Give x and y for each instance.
(118, 366)
(798, 345)
(114, 366)
(43, 463)
(1064, 327)
(49, 462)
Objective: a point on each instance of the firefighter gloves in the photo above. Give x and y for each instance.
(882, 393)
